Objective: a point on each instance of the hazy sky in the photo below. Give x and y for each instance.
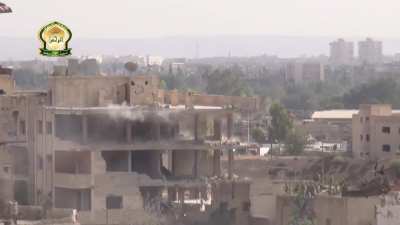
(153, 18)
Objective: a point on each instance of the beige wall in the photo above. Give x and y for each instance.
(85, 91)
(337, 210)
(7, 84)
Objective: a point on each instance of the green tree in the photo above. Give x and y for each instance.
(281, 123)
(375, 91)
(227, 82)
(258, 135)
(163, 85)
(295, 142)
(131, 67)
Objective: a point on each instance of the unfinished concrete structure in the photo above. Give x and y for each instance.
(117, 147)
(16, 133)
(16, 148)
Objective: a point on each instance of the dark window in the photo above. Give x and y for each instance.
(367, 118)
(361, 137)
(246, 206)
(386, 130)
(114, 202)
(49, 127)
(40, 162)
(15, 116)
(367, 137)
(40, 127)
(22, 127)
(6, 169)
(386, 148)
(328, 221)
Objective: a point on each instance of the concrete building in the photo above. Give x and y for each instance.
(341, 52)
(375, 131)
(300, 72)
(118, 147)
(7, 83)
(16, 110)
(370, 51)
(87, 67)
(330, 210)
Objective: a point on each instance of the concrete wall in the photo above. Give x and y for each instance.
(7, 84)
(143, 90)
(236, 196)
(388, 211)
(84, 91)
(331, 210)
(189, 98)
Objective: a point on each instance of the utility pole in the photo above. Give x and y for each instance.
(248, 127)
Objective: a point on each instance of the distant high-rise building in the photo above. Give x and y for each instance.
(370, 51)
(301, 72)
(341, 52)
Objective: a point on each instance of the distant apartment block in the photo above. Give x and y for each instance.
(341, 52)
(299, 72)
(376, 132)
(370, 51)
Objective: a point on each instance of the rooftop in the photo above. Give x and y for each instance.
(334, 114)
(338, 114)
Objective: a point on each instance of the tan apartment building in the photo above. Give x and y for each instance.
(370, 51)
(376, 132)
(341, 52)
(118, 147)
(300, 72)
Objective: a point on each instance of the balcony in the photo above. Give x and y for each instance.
(73, 181)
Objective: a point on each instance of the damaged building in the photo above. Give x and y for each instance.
(117, 147)
(16, 148)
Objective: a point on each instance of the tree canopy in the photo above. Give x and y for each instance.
(258, 135)
(376, 91)
(131, 67)
(227, 82)
(295, 142)
(281, 123)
